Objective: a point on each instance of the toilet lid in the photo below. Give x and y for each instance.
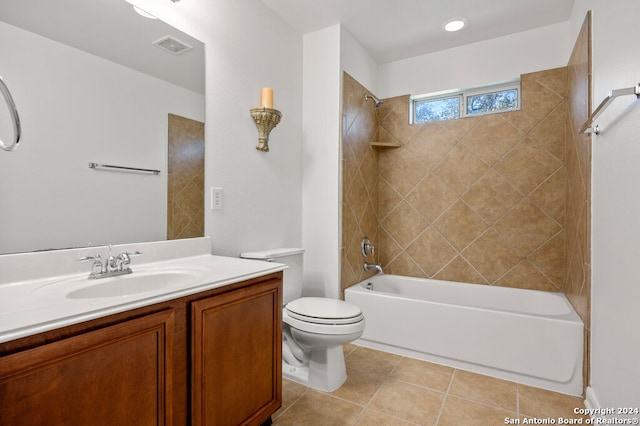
(322, 310)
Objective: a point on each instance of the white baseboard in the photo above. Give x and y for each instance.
(591, 401)
(598, 412)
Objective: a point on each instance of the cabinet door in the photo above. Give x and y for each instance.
(117, 375)
(237, 353)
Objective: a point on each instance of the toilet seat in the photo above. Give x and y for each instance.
(321, 315)
(322, 310)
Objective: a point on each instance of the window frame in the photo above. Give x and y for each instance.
(463, 94)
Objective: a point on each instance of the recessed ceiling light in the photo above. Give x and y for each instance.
(143, 13)
(455, 24)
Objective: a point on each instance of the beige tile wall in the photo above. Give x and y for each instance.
(359, 179)
(578, 271)
(185, 178)
(481, 199)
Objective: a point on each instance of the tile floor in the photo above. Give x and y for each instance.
(388, 389)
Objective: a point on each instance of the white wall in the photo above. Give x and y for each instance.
(247, 47)
(498, 59)
(77, 108)
(321, 162)
(326, 54)
(356, 61)
(615, 301)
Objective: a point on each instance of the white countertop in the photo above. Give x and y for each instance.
(28, 307)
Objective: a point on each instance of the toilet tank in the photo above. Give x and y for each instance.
(292, 257)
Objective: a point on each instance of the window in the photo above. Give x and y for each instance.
(465, 103)
(437, 109)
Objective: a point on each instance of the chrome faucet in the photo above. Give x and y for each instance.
(373, 267)
(120, 263)
(111, 267)
(369, 250)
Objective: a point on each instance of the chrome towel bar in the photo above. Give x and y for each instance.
(17, 129)
(123, 168)
(586, 127)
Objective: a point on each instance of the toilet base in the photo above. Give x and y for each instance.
(326, 370)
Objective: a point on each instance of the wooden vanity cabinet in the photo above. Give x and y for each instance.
(237, 367)
(212, 358)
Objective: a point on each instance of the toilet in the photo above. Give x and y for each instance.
(313, 328)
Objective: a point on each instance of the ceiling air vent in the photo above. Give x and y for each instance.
(172, 45)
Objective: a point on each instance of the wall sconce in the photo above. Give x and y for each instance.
(266, 118)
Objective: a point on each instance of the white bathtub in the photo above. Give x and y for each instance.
(526, 336)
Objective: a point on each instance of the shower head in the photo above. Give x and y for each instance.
(377, 101)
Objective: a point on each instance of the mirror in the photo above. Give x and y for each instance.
(90, 87)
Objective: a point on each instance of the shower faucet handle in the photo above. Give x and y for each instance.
(367, 248)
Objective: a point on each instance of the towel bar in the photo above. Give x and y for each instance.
(17, 129)
(122, 168)
(586, 127)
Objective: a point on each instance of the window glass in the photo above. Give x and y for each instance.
(451, 105)
(437, 109)
(492, 102)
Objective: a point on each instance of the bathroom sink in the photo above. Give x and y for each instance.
(141, 281)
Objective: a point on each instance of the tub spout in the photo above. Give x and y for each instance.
(373, 267)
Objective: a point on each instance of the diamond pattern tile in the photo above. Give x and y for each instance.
(554, 80)
(395, 118)
(400, 168)
(389, 249)
(404, 224)
(538, 100)
(431, 144)
(461, 271)
(352, 101)
(525, 275)
(185, 181)
(460, 169)
(358, 196)
(350, 166)
(577, 279)
(461, 128)
(431, 197)
(360, 180)
(550, 195)
(369, 172)
(369, 222)
(404, 264)
(388, 198)
(349, 224)
(491, 256)
(527, 166)
(361, 132)
(492, 196)
(533, 225)
(550, 134)
(438, 251)
(550, 259)
(492, 138)
(460, 225)
(479, 199)
(350, 256)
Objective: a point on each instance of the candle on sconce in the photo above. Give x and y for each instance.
(266, 118)
(266, 97)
